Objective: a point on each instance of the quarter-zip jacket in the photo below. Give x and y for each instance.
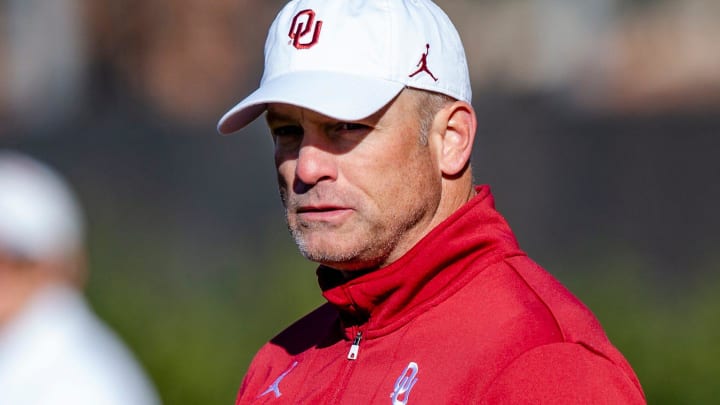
(463, 317)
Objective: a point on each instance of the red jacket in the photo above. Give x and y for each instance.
(464, 317)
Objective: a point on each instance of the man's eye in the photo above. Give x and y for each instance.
(351, 126)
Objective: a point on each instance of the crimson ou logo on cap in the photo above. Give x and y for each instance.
(301, 26)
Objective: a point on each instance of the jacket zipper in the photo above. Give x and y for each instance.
(347, 370)
(355, 348)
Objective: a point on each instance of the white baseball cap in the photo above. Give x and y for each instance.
(40, 217)
(348, 58)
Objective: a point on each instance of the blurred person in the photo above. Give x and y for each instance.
(430, 298)
(53, 348)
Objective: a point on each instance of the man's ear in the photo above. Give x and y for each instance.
(456, 123)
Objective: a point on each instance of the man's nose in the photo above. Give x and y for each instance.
(315, 163)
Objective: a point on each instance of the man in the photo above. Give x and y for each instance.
(53, 349)
(430, 299)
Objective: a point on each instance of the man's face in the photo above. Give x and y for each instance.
(360, 194)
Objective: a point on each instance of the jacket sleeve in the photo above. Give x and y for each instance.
(563, 373)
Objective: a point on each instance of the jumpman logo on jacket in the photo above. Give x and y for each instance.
(404, 384)
(275, 386)
(423, 67)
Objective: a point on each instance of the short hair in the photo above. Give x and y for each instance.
(428, 103)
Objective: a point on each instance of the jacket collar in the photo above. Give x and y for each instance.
(448, 257)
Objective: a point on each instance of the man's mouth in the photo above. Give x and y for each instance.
(317, 208)
(323, 213)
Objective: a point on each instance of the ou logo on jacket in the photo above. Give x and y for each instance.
(301, 25)
(404, 383)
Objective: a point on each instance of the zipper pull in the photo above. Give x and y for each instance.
(353, 353)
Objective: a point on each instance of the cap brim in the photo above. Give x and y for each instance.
(337, 95)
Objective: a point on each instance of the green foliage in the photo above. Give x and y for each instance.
(196, 330)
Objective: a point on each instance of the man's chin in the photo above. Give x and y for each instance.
(326, 256)
(339, 259)
(330, 255)
(333, 248)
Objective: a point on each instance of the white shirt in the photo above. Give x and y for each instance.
(58, 352)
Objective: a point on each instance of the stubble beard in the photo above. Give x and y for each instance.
(343, 254)
(329, 254)
(370, 247)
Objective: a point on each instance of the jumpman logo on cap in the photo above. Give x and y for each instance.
(423, 67)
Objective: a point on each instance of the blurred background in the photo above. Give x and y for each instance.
(599, 129)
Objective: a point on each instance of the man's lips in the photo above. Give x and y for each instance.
(325, 213)
(318, 208)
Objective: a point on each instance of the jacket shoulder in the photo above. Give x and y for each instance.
(563, 373)
(576, 322)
